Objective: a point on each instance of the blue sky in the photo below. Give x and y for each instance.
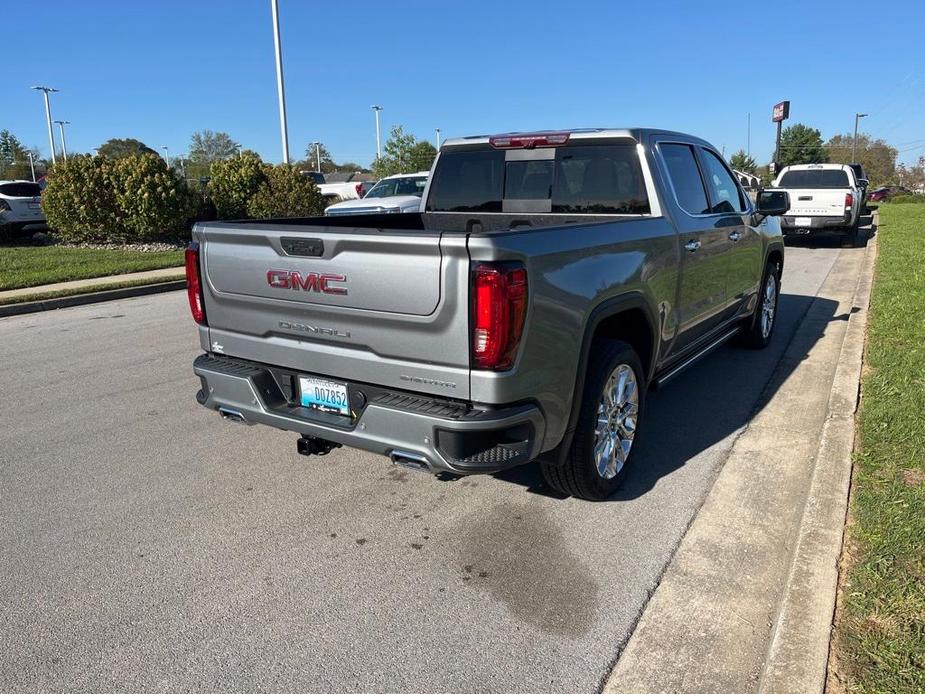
(159, 71)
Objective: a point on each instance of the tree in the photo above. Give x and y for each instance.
(404, 154)
(14, 158)
(207, 147)
(117, 148)
(912, 177)
(876, 156)
(740, 161)
(311, 159)
(800, 144)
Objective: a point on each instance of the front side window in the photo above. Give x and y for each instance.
(724, 193)
(685, 177)
(408, 185)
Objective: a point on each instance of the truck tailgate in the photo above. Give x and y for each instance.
(382, 307)
(817, 203)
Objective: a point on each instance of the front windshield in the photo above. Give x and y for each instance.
(408, 185)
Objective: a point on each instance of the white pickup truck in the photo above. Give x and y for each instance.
(823, 197)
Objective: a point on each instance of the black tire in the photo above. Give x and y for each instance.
(754, 335)
(578, 476)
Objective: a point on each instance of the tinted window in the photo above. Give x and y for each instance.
(815, 178)
(724, 193)
(21, 190)
(685, 177)
(467, 182)
(411, 185)
(594, 179)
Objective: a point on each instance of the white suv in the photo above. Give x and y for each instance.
(20, 205)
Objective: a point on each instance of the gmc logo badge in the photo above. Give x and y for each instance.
(312, 282)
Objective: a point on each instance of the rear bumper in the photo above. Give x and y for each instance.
(788, 223)
(449, 436)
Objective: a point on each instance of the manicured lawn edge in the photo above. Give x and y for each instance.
(75, 291)
(879, 639)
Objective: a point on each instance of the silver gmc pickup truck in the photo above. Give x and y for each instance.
(549, 281)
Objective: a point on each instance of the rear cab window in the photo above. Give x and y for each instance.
(815, 178)
(578, 178)
(22, 189)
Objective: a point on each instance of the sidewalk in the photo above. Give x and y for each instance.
(746, 602)
(62, 294)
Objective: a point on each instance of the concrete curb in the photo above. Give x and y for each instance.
(798, 656)
(732, 609)
(90, 298)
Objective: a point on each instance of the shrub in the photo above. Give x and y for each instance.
(99, 199)
(906, 199)
(235, 181)
(80, 201)
(155, 201)
(286, 193)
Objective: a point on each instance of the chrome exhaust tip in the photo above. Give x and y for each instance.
(230, 415)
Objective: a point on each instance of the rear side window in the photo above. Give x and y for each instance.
(815, 178)
(591, 179)
(685, 177)
(724, 193)
(20, 190)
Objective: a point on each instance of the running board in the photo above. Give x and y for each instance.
(662, 380)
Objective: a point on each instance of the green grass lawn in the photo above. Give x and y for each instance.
(880, 634)
(34, 266)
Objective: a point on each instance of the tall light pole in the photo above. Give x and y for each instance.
(32, 165)
(284, 134)
(166, 156)
(51, 134)
(61, 124)
(317, 156)
(437, 132)
(854, 144)
(378, 137)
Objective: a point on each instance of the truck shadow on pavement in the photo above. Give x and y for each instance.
(706, 405)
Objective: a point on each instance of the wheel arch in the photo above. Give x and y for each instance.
(627, 317)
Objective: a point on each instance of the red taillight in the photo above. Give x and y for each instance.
(194, 284)
(359, 190)
(849, 199)
(528, 141)
(499, 306)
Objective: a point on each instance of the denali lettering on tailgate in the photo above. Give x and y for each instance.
(312, 282)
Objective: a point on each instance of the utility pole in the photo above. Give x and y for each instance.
(31, 164)
(437, 130)
(748, 134)
(854, 144)
(51, 133)
(378, 136)
(284, 134)
(166, 156)
(317, 156)
(61, 124)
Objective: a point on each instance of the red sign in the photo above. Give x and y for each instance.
(781, 112)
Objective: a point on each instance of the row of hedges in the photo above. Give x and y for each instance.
(134, 199)
(244, 186)
(138, 198)
(906, 199)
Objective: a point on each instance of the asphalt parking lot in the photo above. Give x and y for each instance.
(148, 545)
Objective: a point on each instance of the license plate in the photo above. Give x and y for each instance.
(34, 205)
(802, 221)
(322, 394)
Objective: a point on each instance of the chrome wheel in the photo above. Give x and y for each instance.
(616, 421)
(768, 305)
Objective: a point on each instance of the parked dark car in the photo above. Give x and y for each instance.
(884, 193)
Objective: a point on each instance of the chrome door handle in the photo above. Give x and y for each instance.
(692, 245)
(735, 236)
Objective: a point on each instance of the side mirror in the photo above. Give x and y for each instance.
(863, 183)
(773, 203)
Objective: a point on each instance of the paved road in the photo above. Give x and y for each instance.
(146, 545)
